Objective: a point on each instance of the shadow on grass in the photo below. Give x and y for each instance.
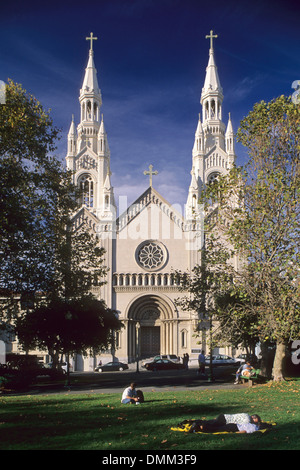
(101, 422)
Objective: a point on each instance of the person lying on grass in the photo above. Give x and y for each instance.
(240, 423)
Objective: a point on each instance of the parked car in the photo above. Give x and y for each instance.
(242, 358)
(170, 357)
(111, 366)
(250, 357)
(163, 364)
(61, 365)
(222, 360)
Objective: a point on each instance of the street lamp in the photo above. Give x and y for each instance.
(137, 345)
(68, 317)
(211, 373)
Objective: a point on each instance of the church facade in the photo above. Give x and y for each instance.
(150, 240)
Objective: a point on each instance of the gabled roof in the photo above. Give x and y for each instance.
(84, 217)
(150, 196)
(216, 148)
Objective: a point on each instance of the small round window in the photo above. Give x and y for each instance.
(212, 177)
(151, 255)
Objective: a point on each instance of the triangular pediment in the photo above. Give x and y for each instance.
(218, 150)
(150, 196)
(216, 160)
(86, 159)
(84, 218)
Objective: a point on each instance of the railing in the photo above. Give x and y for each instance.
(161, 280)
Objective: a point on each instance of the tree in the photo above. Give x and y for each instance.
(259, 214)
(237, 319)
(206, 282)
(40, 251)
(67, 327)
(34, 189)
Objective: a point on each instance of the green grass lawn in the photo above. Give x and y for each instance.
(98, 421)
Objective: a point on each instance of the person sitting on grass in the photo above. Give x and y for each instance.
(130, 395)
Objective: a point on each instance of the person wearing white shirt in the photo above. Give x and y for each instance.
(129, 395)
(239, 422)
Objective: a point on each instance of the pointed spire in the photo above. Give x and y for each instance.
(211, 101)
(72, 130)
(101, 129)
(229, 138)
(107, 184)
(72, 137)
(199, 139)
(199, 130)
(108, 195)
(194, 184)
(103, 147)
(212, 82)
(192, 205)
(90, 81)
(229, 129)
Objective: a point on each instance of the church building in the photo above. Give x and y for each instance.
(150, 240)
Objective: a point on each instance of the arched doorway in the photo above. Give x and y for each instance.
(152, 327)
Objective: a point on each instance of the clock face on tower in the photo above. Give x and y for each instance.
(151, 255)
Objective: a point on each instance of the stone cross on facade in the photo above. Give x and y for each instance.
(91, 38)
(150, 173)
(211, 36)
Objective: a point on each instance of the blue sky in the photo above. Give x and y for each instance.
(151, 57)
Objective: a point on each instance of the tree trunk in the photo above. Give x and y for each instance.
(267, 359)
(278, 365)
(55, 358)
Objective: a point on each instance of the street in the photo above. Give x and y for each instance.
(115, 382)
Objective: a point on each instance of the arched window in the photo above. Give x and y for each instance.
(87, 190)
(95, 112)
(206, 110)
(183, 338)
(83, 112)
(89, 111)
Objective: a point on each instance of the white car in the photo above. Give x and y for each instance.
(221, 360)
(61, 365)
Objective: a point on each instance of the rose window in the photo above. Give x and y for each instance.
(150, 256)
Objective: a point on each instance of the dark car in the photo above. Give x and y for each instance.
(163, 364)
(111, 366)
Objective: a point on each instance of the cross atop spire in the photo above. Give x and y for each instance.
(211, 36)
(150, 173)
(91, 38)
